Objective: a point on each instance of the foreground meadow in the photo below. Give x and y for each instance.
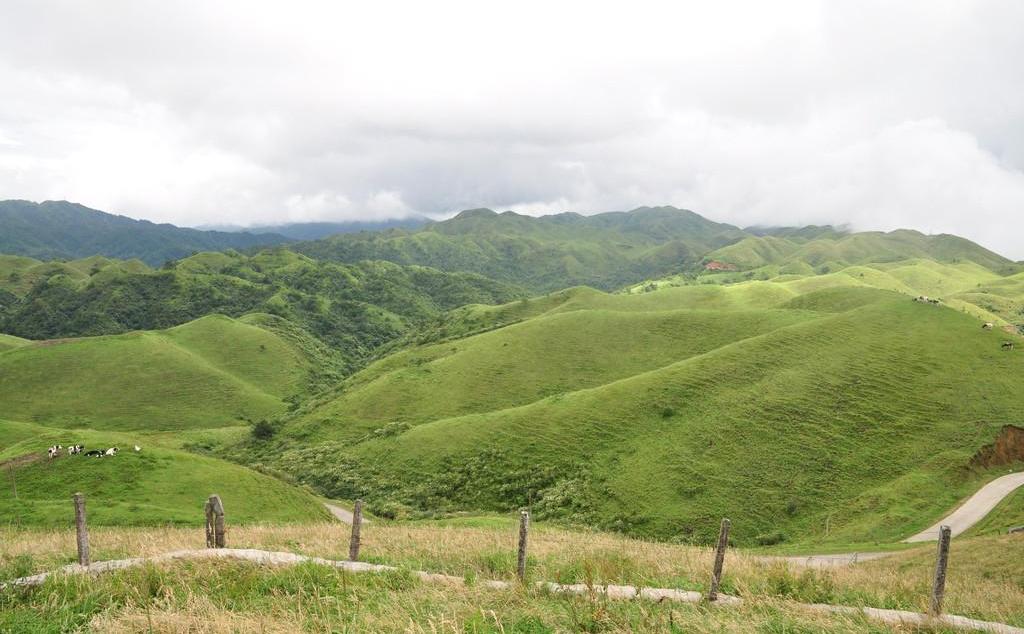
(986, 582)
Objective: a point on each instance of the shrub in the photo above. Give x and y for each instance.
(263, 430)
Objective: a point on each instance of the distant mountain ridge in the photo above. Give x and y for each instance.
(63, 230)
(606, 251)
(318, 230)
(545, 253)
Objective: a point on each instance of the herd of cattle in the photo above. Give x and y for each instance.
(73, 450)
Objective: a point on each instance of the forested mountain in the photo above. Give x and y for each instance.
(318, 230)
(353, 308)
(605, 251)
(63, 230)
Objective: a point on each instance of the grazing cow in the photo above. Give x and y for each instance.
(95, 452)
(138, 448)
(988, 325)
(75, 449)
(1007, 345)
(110, 452)
(54, 451)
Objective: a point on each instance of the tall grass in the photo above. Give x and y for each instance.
(986, 574)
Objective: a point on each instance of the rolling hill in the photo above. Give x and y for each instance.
(814, 408)
(156, 486)
(830, 251)
(212, 372)
(62, 230)
(962, 285)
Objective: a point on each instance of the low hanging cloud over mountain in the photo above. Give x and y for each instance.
(876, 114)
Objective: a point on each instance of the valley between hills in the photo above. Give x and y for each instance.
(629, 378)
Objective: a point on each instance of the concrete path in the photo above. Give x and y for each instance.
(898, 618)
(342, 514)
(974, 509)
(828, 561)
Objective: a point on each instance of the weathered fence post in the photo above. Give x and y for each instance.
(357, 524)
(716, 574)
(939, 586)
(81, 530)
(215, 522)
(524, 531)
(208, 510)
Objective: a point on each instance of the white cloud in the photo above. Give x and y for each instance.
(870, 113)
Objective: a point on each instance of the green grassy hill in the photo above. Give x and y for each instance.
(831, 251)
(788, 406)
(965, 285)
(211, 372)
(7, 342)
(156, 486)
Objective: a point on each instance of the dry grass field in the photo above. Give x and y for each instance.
(986, 582)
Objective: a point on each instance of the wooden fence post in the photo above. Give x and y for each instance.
(208, 510)
(216, 510)
(82, 531)
(524, 531)
(939, 586)
(716, 574)
(357, 524)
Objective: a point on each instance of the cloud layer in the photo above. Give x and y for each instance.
(753, 113)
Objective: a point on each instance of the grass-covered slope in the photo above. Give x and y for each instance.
(563, 351)
(155, 486)
(964, 285)
(843, 406)
(212, 372)
(7, 342)
(831, 251)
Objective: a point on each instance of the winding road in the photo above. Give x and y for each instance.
(965, 516)
(974, 509)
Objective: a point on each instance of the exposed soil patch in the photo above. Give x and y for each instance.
(715, 265)
(55, 342)
(21, 461)
(1007, 449)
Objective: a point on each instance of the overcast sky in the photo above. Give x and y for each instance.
(876, 114)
